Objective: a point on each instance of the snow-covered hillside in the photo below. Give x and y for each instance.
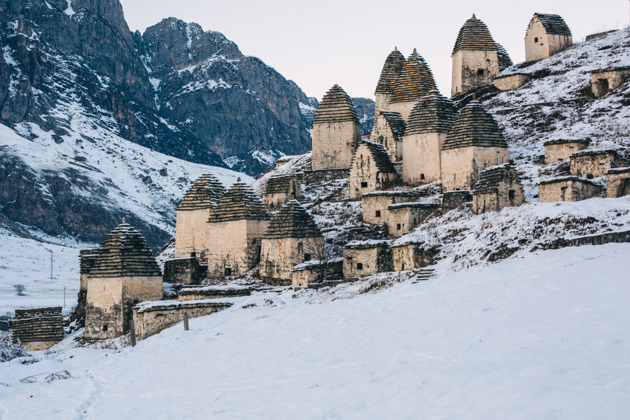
(543, 337)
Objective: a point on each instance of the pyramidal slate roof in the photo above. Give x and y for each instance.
(279, 184)
(391, 70)
(490, 178)
(504, 58)
(124, 253)
(415, 80)
(474, 36)
(396, 123)
(240, 203)
(336, 106)
(432, 114)
(474, 127)
(292, 221)
(554, 24)
(205, 193)
(379, 156)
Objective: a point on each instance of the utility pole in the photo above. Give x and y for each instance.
(51, 264)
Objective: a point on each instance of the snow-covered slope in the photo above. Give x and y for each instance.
(544, 337)
(83, 185)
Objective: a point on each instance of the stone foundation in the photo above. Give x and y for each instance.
(618, 182)
(557, 150)
(311, 177)
(212, 292)
(454, 199)
(404, 217)
(411, 256)
(365, 258)
(511, 81)
(307, 274)
(567, 189)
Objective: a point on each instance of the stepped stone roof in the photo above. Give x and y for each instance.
(567, 179)
(86, 260)
(474, 127)
(292, 221)
(396, 123)
(432, 114)
(240, 203)
(490, 178)
(554, 24)
(124, 253)
(504, 58)
(336, 106)
(279, 184)
(379, 156)
(474, 36)
(205, 193)
(415, 80)
(610, 152)
(391, 70)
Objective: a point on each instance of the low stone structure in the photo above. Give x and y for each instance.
(235, 231)
(153, 317)
(375, 205)
(361, 258)
(546, 35)
(322, 175)
(605, 80)
(125, 273)
(474, 143)
(430, 121)
(388, 130)
(557, 150)
(188, 294)
(414, 83)
(371, 170)
(593, 164)
(291, 239)
(184, 271)
(570, 188)
(498, 187)
(317, 271)
(477, 58)
(510, 81)
(38, 329)
(598, 35)
(385, 88)
(279, 190)
(336, 131)
(411, 255)
(454, 199)
(404, 217)
(618, 182)
(193, 213)
(599, 239)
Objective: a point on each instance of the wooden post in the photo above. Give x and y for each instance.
(185, 321)
(132, 331)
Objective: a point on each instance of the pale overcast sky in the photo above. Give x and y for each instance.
(323, 42)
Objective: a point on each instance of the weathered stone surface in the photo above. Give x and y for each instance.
(605, 80)
(453, 199)
(38, 329)
(184, 271)
(570, 188)
(618, 182)
(387, 81)
(546, 35)
(415, 81)
(371, 170)
(364, 258)
(498, 187)
(404, 217)
(593, 164)
(561, 149)
(279, 190)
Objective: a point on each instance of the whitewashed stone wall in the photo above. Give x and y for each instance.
(279, 256)
(540, 45)
(558, 152)
(461, 167)
(191, 233)
(472, 69)
(421, 158)
(334, 144)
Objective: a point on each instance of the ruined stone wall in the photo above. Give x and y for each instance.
(322, 175)
(234, 245)
(403, 220)
(275, 201)
(365, 176)
(591, 165)
(38, 329)
(334, 144)
(191, 233)
(375, 207)
(151, 320)
(184, 271)
(558, 152)
(461, 167)
(511, 82)
(280, 256)
(359, 262)
(382, 134)
(109, 302)
(211, 292)
(381, 103)
(421, 158)
(411, 256)
(618, 182)
(472, 69)
(603, 81)
(453, 199)
(567, 189)
(500, 198)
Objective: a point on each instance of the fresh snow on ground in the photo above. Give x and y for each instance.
(542, 337)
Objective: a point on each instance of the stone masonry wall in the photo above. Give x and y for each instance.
(191, 233)
(618, 182)
(558, 152)
(366, 261)
(334, 144)
(184, 271)
(38, 329)
(510, 82)
(567, 189)
(375, 206)
(411, 256)
(467, 66)
(461, 167)
(279, 256)
(591, 165)
(421, 158)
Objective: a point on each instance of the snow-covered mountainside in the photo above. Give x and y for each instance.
(82, 187)
(543, 337)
